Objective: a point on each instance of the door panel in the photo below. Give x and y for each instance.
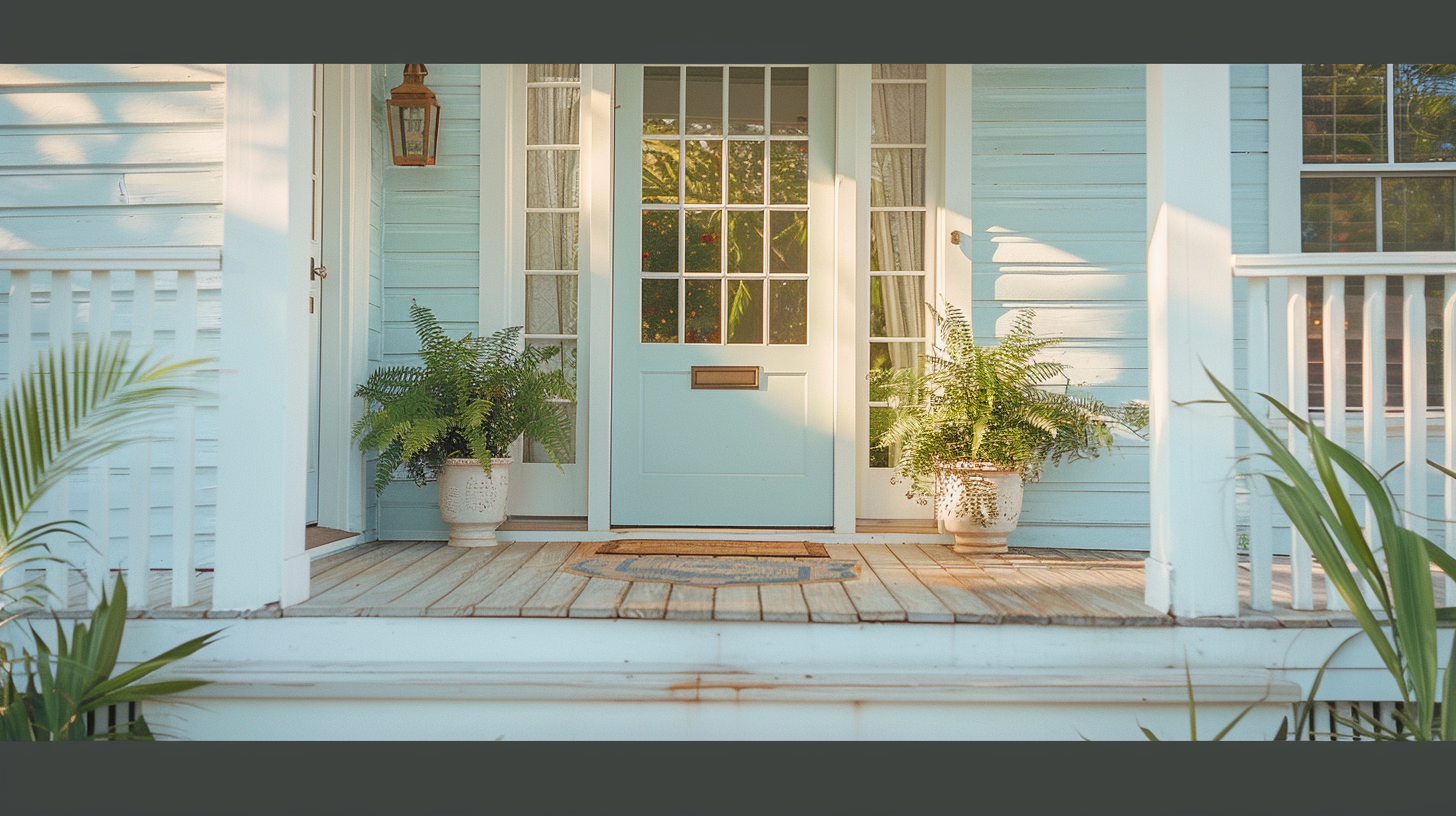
(723, 236)
(315, 299)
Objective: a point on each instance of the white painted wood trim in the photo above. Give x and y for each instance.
(57, 501)
(199, 258)
(260, 555)
(184, 453)
(852, 288)
(1192, 566)
(594, 290)
(345, 347)
(1413, 403)
(1296, 355)
(139, 500)
(540, 488)
(1319, 264)
(1448, 431)
(498, 216)
(1261, 500)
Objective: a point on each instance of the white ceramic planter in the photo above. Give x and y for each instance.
(471, 502)
(971, 536)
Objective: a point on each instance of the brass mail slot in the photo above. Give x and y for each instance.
(739, 377)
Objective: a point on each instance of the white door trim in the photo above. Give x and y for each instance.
(344, 353)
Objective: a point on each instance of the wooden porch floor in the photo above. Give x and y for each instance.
(918, 583)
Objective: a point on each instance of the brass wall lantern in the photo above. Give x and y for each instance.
(414, 119)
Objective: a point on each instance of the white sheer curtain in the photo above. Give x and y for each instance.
(897, 237)
(553, 202)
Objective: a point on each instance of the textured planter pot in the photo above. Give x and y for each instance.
(971, 536)
(471, 502)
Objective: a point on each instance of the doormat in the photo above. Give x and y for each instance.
(791, 549)
(713, 572)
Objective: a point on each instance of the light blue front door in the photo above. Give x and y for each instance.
(723, 266)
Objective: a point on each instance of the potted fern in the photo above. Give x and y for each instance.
(453, 419)
(975, 423)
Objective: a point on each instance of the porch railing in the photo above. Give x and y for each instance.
(1396, 308)
(165, 299)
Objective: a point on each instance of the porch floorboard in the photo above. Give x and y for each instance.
(918, 583)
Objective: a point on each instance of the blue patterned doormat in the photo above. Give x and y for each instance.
(714, 571)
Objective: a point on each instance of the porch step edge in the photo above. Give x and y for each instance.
(587, 682)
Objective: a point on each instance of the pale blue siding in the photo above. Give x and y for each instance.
(1059, 211)
(429, 251)
(95, 156)
(110, 155)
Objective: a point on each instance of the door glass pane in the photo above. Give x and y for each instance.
(788, 311)
(659, 311)
(702, 249)
(790, 101)
(552, 179)
(704, 168)
(1425, 113)
(897, 306)
(705, 100)
(1418, 214)
(551, 240)
(555, 120)
(897, 71)
(897, 177)
(550, 304)
(790, 242)
(1344, 112)
(897, 114)
(702, 321)
(789, 173)
(745, 99)
(745, 172)
(659, 171)
(660, 99)
(553, 72)
(659, 240)
(745, 311)
(1337, 214)
(564, 360)
(893, 357)
(745, 242)
(897, 241)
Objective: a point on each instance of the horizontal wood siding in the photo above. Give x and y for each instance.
(1059, 205)
(101, 156)
(1249, 143)
(110, 155)
(429, 251)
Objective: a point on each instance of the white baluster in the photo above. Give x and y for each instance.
(184, 450)
(98, 476)
(1413, 359)
(1372, 399)
(22, 356)
(1261, 509)
(139, 503)
(58, 499)
(1301, 589)
(1333, 336)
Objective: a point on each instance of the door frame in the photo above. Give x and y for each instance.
(344, 351)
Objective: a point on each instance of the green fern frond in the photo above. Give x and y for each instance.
(470, 398)
(996, 404)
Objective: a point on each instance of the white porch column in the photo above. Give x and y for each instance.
(263, 387)
(1191, 570)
